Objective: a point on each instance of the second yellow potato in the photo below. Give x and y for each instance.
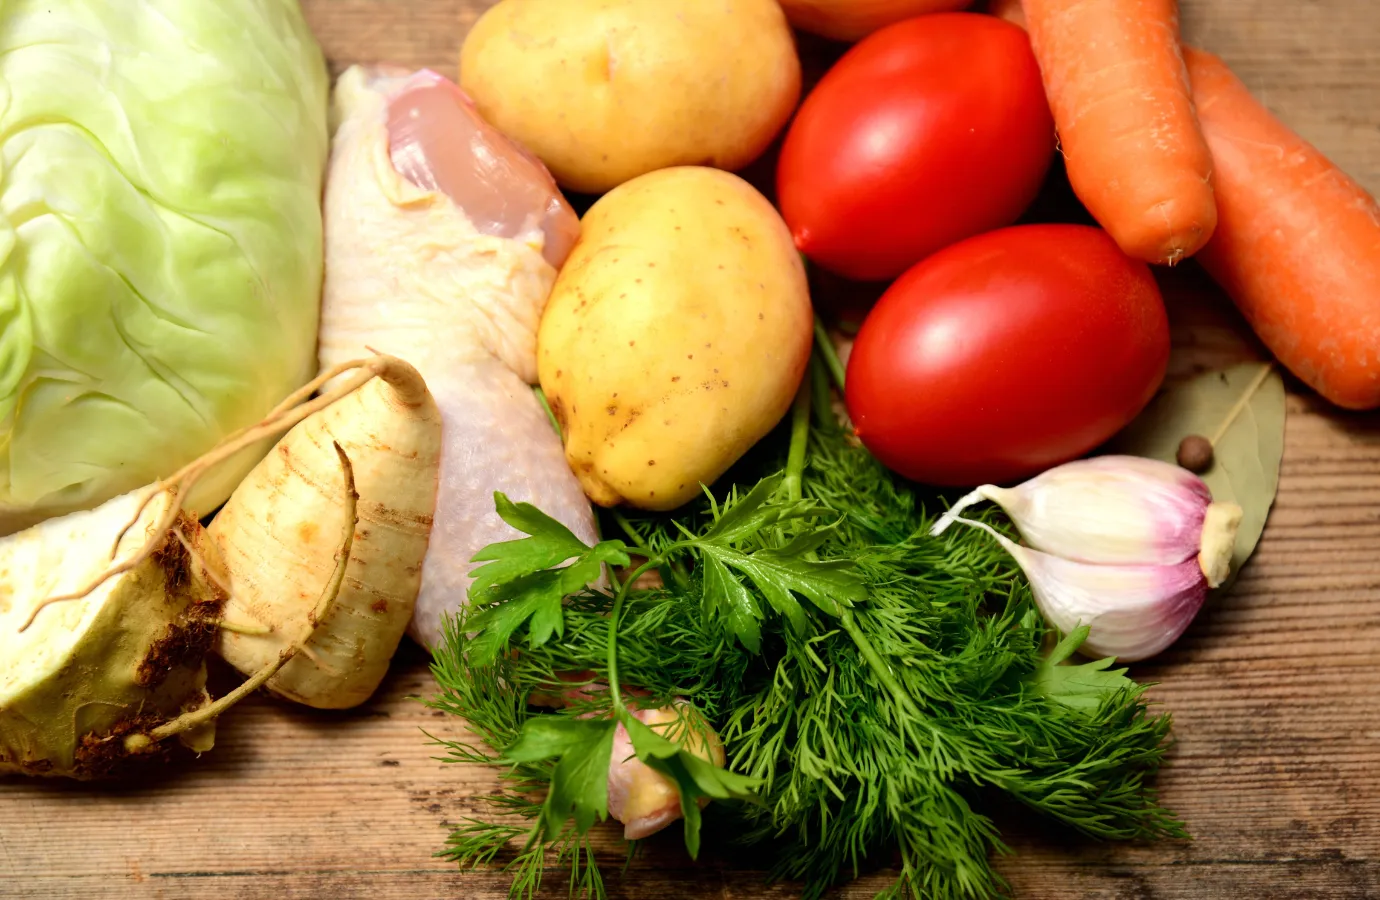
(606, 90)
(676, 335)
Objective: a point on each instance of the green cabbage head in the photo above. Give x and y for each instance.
(160, 238)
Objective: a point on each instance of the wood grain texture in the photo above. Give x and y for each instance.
(1277, 766)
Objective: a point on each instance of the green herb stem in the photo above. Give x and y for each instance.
(640, 545)
(826, 358)
(831, 356)
(820, 388)
(878, 664)
(541, 398)
(615, 695)
(636, 539)
(792, 482)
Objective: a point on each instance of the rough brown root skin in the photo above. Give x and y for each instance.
(107, 755)
(187, 641)
(184, 643)
(147, 740)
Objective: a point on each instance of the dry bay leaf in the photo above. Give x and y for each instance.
(1246, 456)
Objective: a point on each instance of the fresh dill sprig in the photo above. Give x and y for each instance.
(871, 684)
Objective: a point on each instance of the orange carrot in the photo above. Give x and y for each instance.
(1135, 156)
(1010, 10)
(1297, 244)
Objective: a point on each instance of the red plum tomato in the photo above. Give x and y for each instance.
(927, 132)
(1006, 354)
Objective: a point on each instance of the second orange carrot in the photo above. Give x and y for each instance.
(1298, 247)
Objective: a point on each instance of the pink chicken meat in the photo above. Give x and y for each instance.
(442, 243)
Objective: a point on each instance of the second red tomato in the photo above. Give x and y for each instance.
(929, 131)
(1007, 354)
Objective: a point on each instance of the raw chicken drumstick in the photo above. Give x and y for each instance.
(442, 242)
(442, 238)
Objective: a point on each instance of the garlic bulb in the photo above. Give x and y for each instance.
(1125, 545)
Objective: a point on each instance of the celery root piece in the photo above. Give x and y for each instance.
(126, 657)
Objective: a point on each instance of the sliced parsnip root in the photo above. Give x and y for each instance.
(106, 615)
(276, 534)
(294, 409)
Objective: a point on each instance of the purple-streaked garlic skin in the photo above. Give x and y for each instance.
(1127, 546)
(1110, 510)
(439, 142)
(1132, 612)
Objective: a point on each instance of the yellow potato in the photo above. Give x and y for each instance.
(676, 335)
(606, 90)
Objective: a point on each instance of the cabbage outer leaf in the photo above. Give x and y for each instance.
(160, 239)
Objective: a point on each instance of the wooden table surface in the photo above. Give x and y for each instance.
(1274, 690)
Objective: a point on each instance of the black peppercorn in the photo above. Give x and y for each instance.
(1195, 453)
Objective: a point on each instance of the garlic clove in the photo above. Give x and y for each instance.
(1132, 612)
(640, 797)
(1110, 510)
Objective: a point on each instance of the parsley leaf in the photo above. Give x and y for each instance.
(579, 783)
(725, 596)
(1083, 687)
(519, 585)
(550, 543)
(695, 778)
(778, 573)
(831, 585)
